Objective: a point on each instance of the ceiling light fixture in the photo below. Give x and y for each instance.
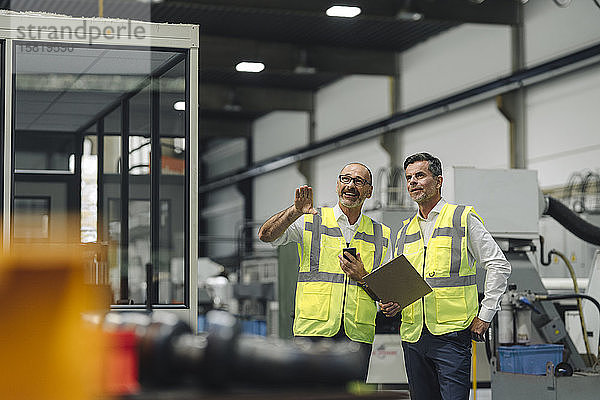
(247, 66)
(343, 11)
(409, 16)
(179, 105)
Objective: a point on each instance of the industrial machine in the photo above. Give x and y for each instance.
(530, 318)
(170, 355)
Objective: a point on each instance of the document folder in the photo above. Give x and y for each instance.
(397, 281)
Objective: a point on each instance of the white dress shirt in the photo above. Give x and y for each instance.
(481, 247)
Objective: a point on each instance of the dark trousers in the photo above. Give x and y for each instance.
(439, 366)
(365, 348)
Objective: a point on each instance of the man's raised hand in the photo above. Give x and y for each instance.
(303, 202)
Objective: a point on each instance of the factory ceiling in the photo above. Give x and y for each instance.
(301, 47)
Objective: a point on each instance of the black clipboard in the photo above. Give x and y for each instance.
(397, 281)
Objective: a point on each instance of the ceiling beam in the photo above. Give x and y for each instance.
(253, 99)
(553, 69)
(503, 12)
(371, 8)
(223, 53)
(487, 11)
(229, 128)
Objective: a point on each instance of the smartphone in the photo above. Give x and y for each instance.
(351, 250)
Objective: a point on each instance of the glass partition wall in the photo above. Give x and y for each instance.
(103, 148)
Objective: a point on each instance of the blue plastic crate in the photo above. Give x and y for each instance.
(254, 327)
(201, 323)
(529, 359)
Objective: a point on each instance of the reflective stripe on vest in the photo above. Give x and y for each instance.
(403, 239)
(317, 229)
(456, 232)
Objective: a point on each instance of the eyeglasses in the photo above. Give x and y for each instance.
(358, 181)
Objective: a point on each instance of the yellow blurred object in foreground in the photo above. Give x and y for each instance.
(47, 350)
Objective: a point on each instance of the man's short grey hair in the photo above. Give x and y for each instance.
(435, 165)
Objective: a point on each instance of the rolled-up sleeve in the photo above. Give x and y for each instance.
(486, 251)
(292, 234)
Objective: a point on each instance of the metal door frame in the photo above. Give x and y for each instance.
(15, 27)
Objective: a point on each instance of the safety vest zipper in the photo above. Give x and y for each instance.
(423, 298)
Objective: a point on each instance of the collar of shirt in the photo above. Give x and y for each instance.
(426, 225)
(434, 211)
(342, 220)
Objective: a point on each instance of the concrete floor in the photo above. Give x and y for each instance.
(482, 394)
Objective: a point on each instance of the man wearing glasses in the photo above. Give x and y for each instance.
(330, 300)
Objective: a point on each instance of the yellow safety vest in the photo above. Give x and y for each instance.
(445, 266)
(323, 290)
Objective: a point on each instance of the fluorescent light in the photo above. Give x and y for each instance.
(232, 107)
(302, 70)
(179, 105)
(247, 66)
(343, 11)
(409, 16)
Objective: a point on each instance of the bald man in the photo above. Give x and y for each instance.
(330, 298)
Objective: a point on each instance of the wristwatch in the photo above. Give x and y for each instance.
(368, 290)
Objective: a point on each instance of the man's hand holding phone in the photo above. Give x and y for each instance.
(351, 264)
(351, 251)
